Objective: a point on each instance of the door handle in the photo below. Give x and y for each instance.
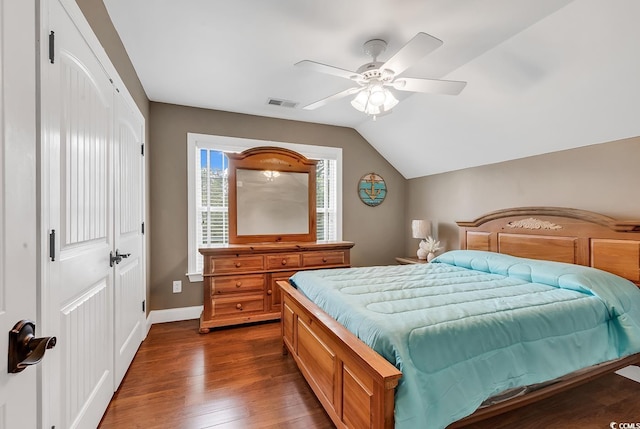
(24, 348)
(114, 259)
(117, 258)
(122, 255)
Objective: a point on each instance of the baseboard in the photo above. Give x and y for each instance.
(173, 315)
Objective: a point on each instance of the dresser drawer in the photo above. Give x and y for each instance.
(237, 284)
(285, 260)
(320, 259)
(228, 305)
(236, 264)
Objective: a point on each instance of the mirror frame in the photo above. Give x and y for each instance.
(277, 159)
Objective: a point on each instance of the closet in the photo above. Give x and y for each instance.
(92, 214)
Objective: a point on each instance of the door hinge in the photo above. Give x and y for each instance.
(52, 245)
(142, 228)
(51, 46)
(142, 149)
(143, 305)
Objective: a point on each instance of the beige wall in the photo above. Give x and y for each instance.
(602, 178)
(377, 231)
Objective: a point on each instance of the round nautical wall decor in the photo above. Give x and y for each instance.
(372, 189)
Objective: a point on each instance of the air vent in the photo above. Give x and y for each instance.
(281, 103)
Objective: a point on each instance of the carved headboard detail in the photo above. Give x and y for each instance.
(559, 234)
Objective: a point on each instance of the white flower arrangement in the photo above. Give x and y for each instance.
(430, 245)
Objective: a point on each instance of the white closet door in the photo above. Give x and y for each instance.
(129, 204)
(18, 257)
(78, 116)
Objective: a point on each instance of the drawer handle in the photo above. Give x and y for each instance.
(269, 292)
(324, 259)
(238, 284)
(284, 262)
(239, 306)
(238, 264)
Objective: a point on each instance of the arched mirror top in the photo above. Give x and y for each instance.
(273, 158)
(272, 196)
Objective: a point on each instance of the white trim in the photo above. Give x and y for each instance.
(236, 144)
(174, 314)
(195, 277)
(145, 328)
(191, 205)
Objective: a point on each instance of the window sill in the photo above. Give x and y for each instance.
(194, 277)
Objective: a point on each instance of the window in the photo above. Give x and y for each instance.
(208, 190)
(326, 215)
(212, 208)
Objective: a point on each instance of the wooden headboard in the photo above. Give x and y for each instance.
(558, 234)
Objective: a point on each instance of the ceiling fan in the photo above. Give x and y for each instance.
(374, 78)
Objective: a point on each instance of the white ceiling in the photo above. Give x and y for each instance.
(542, 75)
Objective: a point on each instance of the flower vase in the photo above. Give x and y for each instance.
(422, 254)
(430, 256)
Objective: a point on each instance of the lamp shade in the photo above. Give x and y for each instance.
(421, 228)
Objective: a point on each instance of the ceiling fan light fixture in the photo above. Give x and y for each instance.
(377, 95)
(360, 101)
(366, 101)
(390, 102)
(271, 174)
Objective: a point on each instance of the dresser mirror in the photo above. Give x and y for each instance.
(272, 196)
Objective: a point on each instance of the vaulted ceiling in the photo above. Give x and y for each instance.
(542, 75)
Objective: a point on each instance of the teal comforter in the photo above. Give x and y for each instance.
(473, 324)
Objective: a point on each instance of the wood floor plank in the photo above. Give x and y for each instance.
(237, 378)
(229, 378)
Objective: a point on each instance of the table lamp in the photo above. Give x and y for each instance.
(421, 228)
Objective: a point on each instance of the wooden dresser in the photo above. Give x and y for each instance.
(240, 279)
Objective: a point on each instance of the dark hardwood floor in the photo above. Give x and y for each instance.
(238, 378)
(229, 378)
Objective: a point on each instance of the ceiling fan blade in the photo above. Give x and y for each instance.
(323, 68)
(432, 86)
(333, 97)
(416, 48)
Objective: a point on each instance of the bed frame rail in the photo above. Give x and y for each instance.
(355, 385)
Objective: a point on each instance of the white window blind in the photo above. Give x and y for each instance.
(208, 191)
(212, 209)
(326, 207)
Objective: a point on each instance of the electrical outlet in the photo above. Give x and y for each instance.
(177, 286)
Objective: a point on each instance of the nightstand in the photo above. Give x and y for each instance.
(404, 260)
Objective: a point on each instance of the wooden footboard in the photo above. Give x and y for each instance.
(355, 385)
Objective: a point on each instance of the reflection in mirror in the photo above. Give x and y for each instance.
(272, 202)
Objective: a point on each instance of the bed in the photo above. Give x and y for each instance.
(358, 386)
